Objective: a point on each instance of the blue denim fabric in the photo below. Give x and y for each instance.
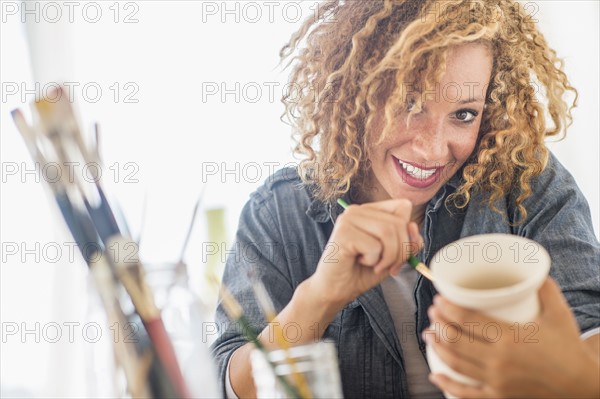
(283, 231)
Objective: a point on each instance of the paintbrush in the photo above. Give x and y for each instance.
(260, 292)
(116, 217)
(135, 368)
(86, 219)
(191, 226)
(61, 128)
(130, 272)
(412, 260)
(29, 136)
(79, 224)
(57, 118)
(236, 313)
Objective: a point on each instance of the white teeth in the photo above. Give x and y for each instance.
(416, 172)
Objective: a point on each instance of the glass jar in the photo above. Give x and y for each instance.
(317, 362)
(184, 319)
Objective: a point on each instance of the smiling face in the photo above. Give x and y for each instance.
(414, 162)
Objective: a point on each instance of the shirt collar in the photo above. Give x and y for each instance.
(323, 212)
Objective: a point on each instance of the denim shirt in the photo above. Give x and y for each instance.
(283, 232)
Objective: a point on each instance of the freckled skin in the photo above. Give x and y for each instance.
(438, 135)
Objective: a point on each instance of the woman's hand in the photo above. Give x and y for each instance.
(369, 242)
(545, 358)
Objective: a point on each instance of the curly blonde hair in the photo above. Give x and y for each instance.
(359, 63)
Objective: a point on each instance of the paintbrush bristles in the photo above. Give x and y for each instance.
(57, 115)
(28, 135)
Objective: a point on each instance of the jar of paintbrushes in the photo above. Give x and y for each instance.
(304, 371)
(311, 370)
(156, 320)
(183, 315)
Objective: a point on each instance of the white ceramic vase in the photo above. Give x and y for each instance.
(497, 274)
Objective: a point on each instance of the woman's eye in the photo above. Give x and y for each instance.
(466, 115)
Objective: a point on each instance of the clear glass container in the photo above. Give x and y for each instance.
(183, 315)
(317, 362)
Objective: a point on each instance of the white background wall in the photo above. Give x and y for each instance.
(164, 144)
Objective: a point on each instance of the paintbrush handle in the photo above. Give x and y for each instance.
(81, 227)
(166, 353)
(420, 267)
(252, 336)
(262, 296)
(125, 354)
(103, 217)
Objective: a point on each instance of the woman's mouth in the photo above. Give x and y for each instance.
(417, 176)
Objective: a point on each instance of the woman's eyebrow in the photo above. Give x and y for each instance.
(471, 100)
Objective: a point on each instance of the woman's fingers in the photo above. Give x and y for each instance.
(384, 227)
(501, 355)
(368, 243)
(553, 304)
(458, 362)
(455, 341)
(388, 223)
(472, 324)
(457, 389)
(394, 270)
(355, 243)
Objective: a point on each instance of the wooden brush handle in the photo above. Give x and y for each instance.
(165, 352)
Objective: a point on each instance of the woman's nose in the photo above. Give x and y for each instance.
(428, 141)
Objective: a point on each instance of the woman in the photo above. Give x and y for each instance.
(426, 120)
